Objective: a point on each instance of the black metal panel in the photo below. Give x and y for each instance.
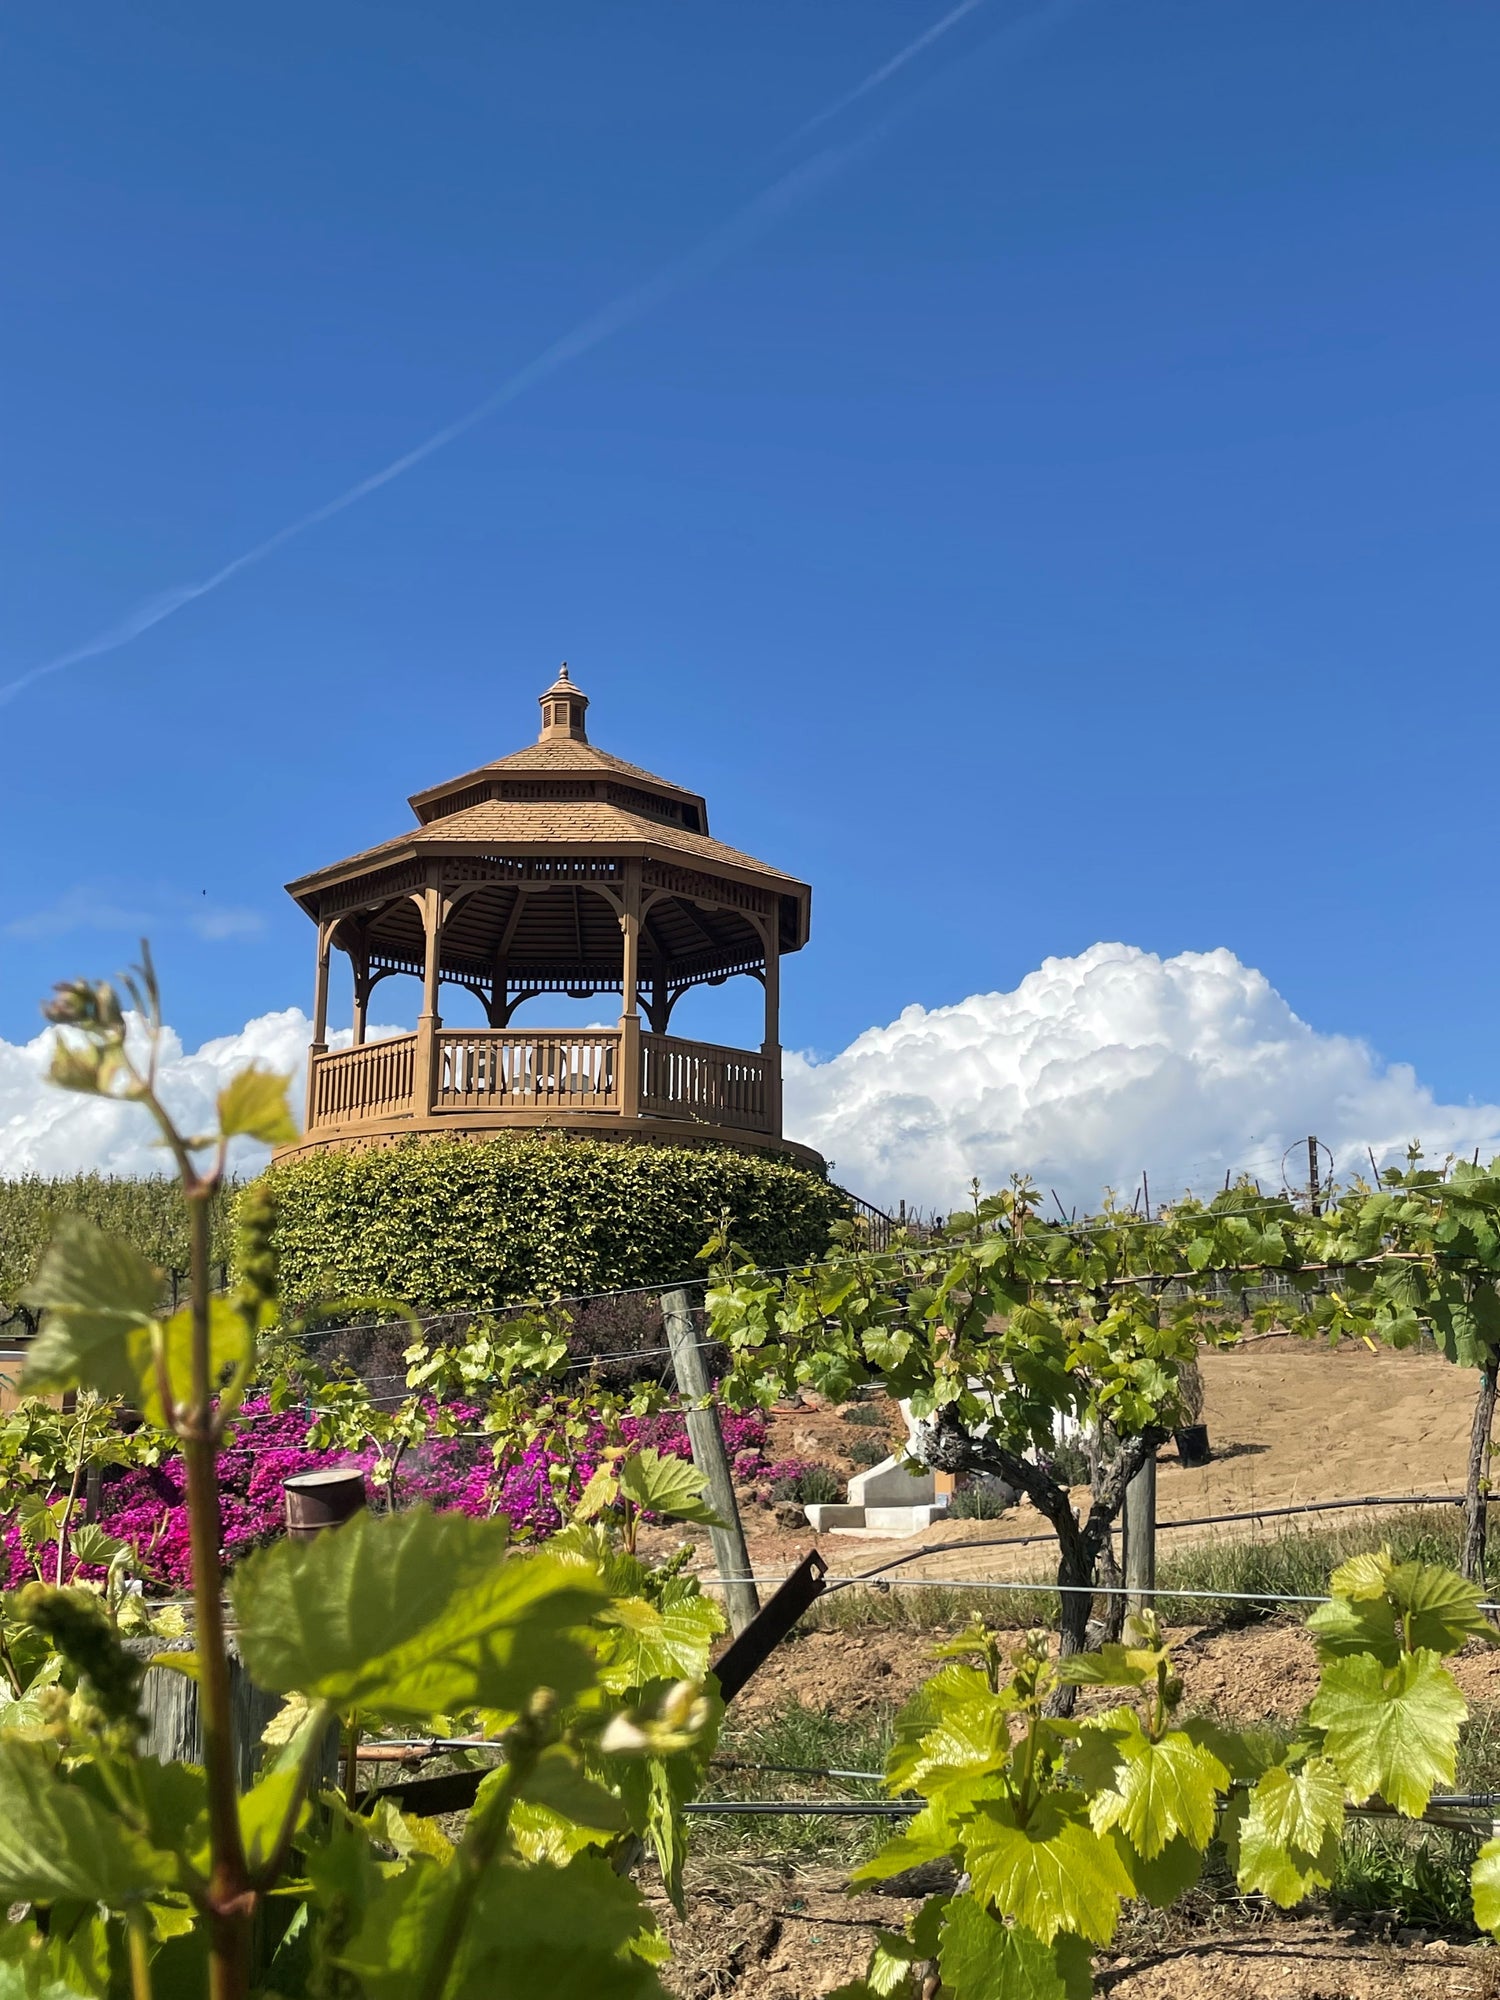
(760, 1638)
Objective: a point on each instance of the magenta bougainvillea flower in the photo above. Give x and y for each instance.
(146, 1507)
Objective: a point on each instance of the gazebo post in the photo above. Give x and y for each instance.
(425, 1078)
(319, 1044)
(629, 1084)
(359, 958)
(770, 1047)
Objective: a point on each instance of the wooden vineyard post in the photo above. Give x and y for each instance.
(707, 1440)
(1140, 1537)
(174, 1730)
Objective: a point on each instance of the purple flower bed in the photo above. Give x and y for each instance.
(145, 1505)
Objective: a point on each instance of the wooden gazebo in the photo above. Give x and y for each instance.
(558, 869)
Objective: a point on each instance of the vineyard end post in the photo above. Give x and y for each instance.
(1140, 1538)
(707, 1441)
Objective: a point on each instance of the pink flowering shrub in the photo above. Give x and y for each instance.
(146, 1506)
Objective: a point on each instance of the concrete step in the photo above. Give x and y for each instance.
(875, 1522)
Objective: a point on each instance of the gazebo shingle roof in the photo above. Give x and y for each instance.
(559, 792)
(541, 822)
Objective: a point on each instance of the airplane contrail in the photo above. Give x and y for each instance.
(620, 312)
(747, 223)
(886, 70)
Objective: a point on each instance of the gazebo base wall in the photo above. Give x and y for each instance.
(562, 1125)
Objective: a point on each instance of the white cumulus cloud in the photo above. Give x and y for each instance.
(1098, 1066)
(44, 1130)
(1092, 1069)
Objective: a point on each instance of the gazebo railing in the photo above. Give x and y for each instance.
(534, 1075)
(494, 1069)
(374, 1081)
(701, 1081)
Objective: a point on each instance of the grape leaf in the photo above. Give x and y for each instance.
(886, 1347)
(253, 1105)
(969, 1733)
(1392, 1730)
(1160, 1789)
(565, 1932)
(889, 1970)
(1244, 1753)
(75, 1967)
(561, 1810)
(93, 1546)
(1417, 1605)
(667, 1485)
(1111, 1666)
(1167, 1875)
(175, 1801)
(1486, 1887)
(94, 1291)
(929, 1836)
(981, 1959)
(1297, 1808)
(1363, 1576)
(264, 1808)
(1439, 1608)
(1285, 1874)
(98, 1296)
(1050, 1875)
(1346, 1626)
(58, 1844)
(413, 1614)
(559, 1783)
(648, 1642)
(958, 1700)
(1288, 1834)
(26, 1711)
(409, 1833)
(653, 1790)
(227, 1338)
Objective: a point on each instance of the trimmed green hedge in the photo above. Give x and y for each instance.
(454, 1225)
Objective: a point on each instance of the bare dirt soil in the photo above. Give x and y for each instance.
(1267, 1672)
(805, 1937)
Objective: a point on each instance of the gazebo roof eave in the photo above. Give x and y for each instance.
(419, 845)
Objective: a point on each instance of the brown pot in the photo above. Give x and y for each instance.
(319, 1500)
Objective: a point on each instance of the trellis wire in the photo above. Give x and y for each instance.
(1077, 1589)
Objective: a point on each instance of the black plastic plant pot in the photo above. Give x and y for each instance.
(1192, 1444)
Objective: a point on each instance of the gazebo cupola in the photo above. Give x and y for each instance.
(563, 708)
(557, 869)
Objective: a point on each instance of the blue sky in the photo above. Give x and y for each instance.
(1066, 513)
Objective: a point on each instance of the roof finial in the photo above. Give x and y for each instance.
(563, 671)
